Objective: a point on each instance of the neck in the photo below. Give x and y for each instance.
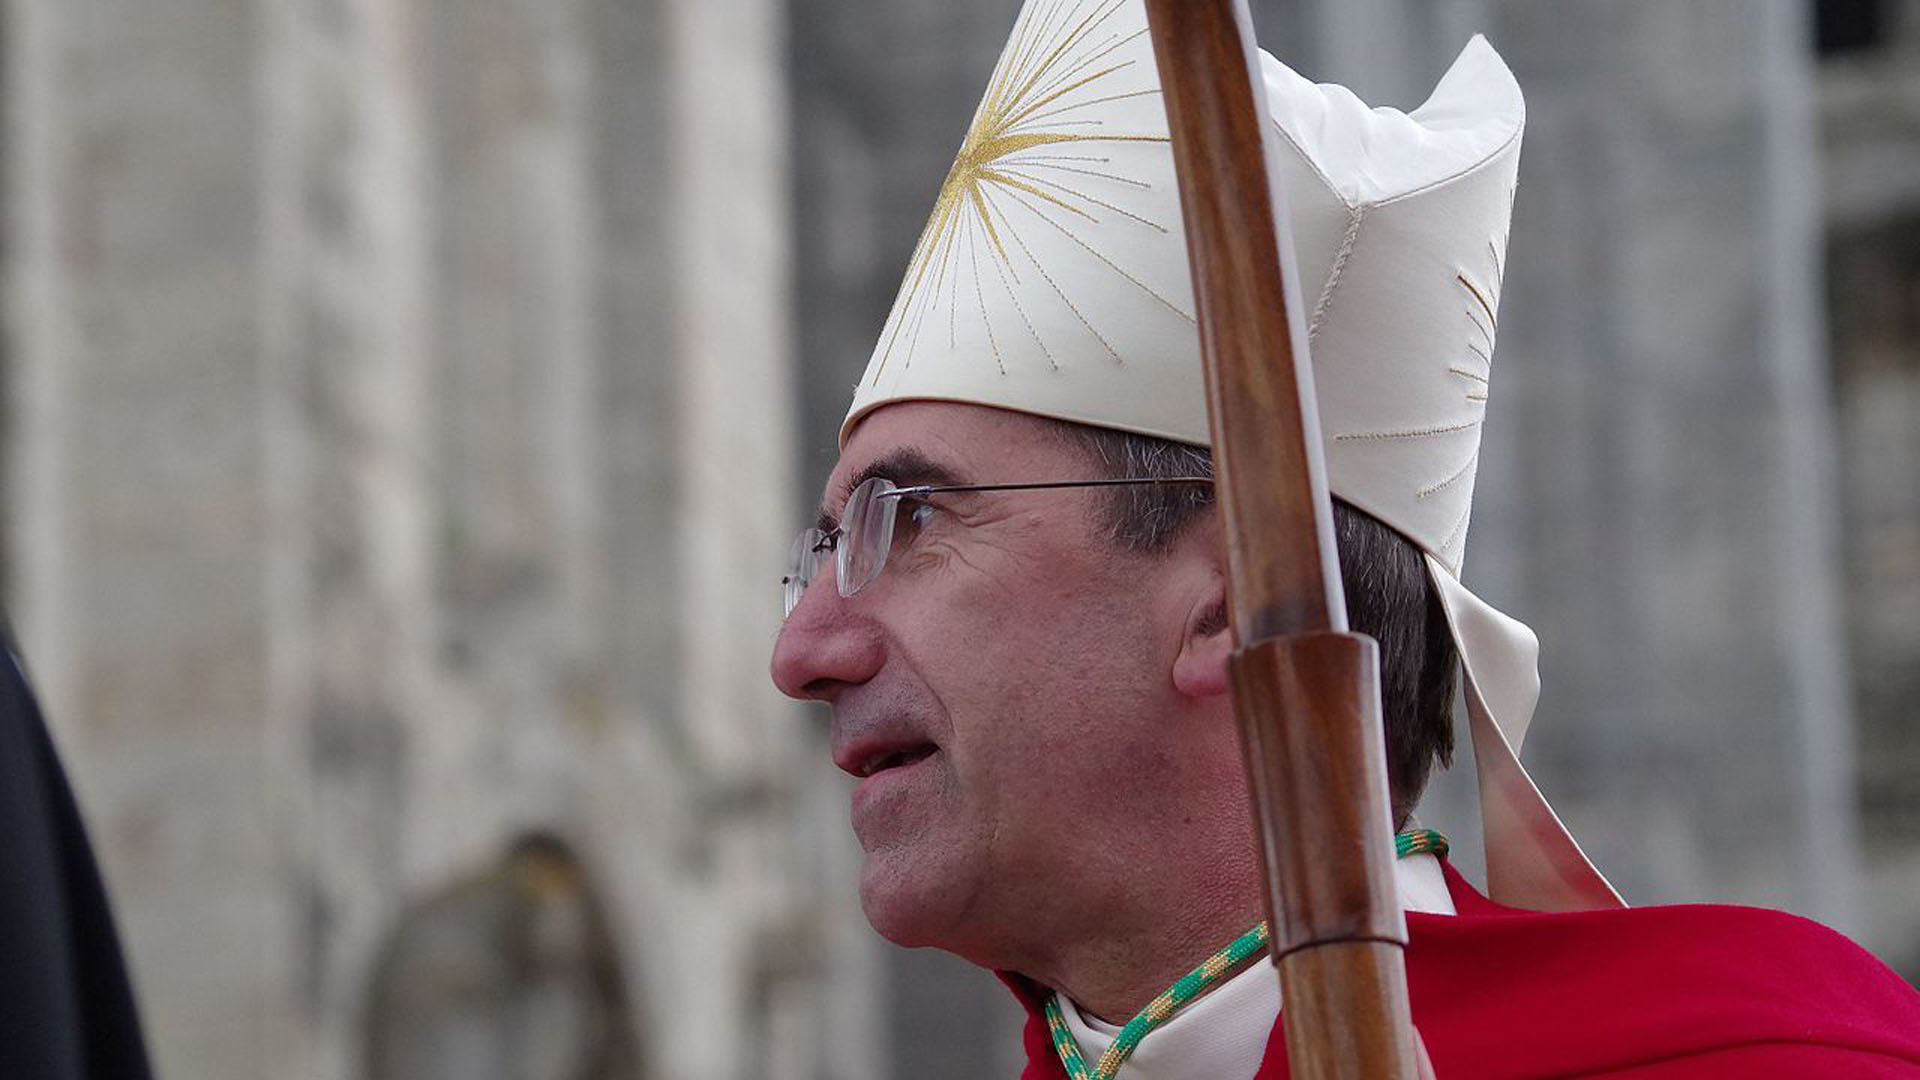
(1150, 902)
(1113, 973)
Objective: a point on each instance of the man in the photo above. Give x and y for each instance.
(1024, 638)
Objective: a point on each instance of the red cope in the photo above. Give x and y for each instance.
(1653, 993)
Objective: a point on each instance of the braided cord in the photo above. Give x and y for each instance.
(1190, 985)
(1420, 842)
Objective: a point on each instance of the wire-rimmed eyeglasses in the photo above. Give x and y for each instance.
(865, 535)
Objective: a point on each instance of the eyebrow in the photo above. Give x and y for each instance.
(905, 467)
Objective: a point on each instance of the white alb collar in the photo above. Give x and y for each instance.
(1225, 1033)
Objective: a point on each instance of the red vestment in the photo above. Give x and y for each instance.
(1653, 993)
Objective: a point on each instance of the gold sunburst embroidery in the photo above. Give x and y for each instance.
(1062, 59)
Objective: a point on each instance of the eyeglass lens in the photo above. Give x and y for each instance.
(860, 545)
(803, 563)
(867, 526)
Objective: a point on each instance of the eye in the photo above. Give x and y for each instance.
(913, 519)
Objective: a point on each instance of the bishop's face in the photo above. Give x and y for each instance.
(1000, 692)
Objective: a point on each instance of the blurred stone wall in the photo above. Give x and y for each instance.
(1870, 127)
(136, 510)
(398, 416)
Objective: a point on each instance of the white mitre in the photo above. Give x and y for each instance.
(1052, 279)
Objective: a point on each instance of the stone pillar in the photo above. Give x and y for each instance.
(1871, 160)
(585, 518)
(134, 504)
(735, 940)
(347, 350)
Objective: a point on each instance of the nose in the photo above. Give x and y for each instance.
(824, 646)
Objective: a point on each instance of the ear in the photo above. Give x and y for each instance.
(1200, 669)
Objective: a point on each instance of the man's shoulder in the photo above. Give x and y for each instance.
(1639, 987)
(1666, 931)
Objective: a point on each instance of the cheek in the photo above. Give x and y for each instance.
(1057, 684)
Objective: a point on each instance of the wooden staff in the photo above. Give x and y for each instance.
(1306, 691)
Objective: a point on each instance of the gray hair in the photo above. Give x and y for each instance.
(1147, 519)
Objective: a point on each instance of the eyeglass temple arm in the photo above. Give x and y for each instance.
(938, 489)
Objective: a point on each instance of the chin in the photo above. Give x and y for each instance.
(912, 904)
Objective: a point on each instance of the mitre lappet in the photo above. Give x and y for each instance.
(1052, 279)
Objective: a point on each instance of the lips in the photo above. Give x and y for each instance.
(875, 754)
(893, 759)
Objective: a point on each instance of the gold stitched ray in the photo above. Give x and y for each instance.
(1007, 279)
(1479, 395)
(1028, 110)
(1484, 332)
(974, 255)
(1101, 203)
(1080, 65)
(1051, 163)
(1484, 306)
(1409, 433)
(1114, 266)
(1455, 533)
(1452, 478)
(1084, 104)
(1069, 70)
(1061, 293)
(1074, 38)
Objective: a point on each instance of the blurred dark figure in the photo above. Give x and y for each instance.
(507, 974)
(1843, 26)
(66, 1007)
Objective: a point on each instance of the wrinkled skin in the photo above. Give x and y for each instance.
(1082, 817)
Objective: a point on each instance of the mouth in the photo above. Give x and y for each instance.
(894, 758)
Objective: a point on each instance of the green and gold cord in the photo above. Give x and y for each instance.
(1161, 1008)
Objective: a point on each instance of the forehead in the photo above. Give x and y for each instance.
(941, 442)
